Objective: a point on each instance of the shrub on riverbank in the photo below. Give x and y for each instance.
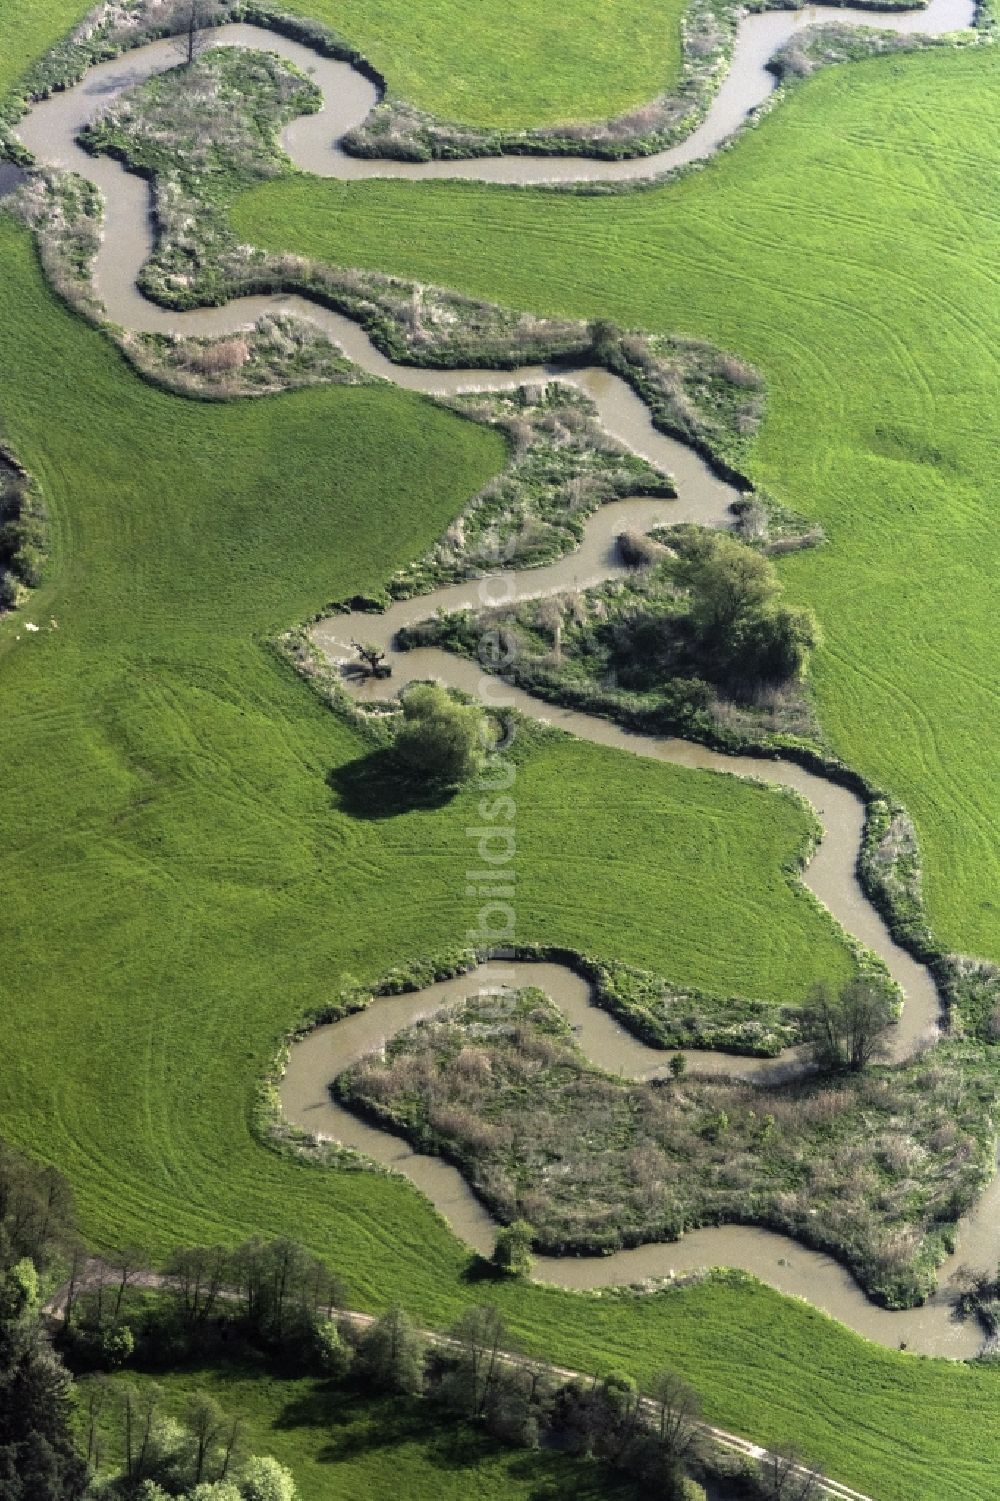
(696, 642)
(440, 741)
(874, 1168)
(23, 532)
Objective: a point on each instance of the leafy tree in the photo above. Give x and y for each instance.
(740, 630)
(328, 1353)
(264, 1479)
(729, 584)
(391, 1353)
(480, 1337)
(36, 1210)
(439, 739)
(601, 1417)
(512, 1252)
(38, 1460)
(848, 1029)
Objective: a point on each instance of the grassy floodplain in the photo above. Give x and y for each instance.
(484, 62)
(179, 885)
(847, 248)
(514, 62)
(28, 30)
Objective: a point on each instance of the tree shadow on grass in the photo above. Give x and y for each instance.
(359, 1422)
(376, 786)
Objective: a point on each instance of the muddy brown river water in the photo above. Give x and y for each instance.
(50, 131)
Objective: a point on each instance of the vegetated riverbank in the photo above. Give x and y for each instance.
(647, 366)
(23, 533)
(651, 653)
(714, 34)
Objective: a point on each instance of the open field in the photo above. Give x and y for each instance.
(846, 248)
(514, 62)
(179, 884)
(343, 1443)
(174, 867)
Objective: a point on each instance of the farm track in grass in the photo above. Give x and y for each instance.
(868, 296)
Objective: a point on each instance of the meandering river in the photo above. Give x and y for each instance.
(50, 131)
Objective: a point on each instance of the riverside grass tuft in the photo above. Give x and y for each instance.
(843, 248)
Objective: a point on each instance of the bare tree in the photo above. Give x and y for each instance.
(146, 1412)
(128, 1265)
(98, 1392)
(233, 1438)
(373, 658)
(848, 1028)
(786, 1478)
(207, 1424)
(677, 1413)
(479, 1335)
(77, 1272)
(191, 21)
(199, 1276)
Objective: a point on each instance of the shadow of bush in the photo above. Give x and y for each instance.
(377, 786)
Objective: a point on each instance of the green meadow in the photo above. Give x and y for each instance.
(28, 30)
(514, 62)
(178, 880)
(848, 247)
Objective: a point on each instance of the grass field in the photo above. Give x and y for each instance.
(345, 1444)
(848, 249)
(514, 62)
(482, 62)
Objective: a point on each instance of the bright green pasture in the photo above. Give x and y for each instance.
(339, 1443)
(515, 62)
(483, 62)
(849, 247)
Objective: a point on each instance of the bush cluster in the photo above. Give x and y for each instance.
(23, 533)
